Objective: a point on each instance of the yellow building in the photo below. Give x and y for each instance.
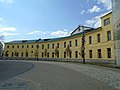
(99, 44)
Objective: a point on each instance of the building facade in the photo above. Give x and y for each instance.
(99, 44)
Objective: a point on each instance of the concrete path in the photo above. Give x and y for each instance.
(62, 76)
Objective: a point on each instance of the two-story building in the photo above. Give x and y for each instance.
(99, 44)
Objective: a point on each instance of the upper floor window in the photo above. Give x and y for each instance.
(98, 37)
(17, 46)
(42, 46)
(37, 46)
(27, 46)
(32, 46)
(12, 46)
(90, 39)
(52, 45)
(7, 46)
(22, 46)
(57, 45)
(76, 42)
(70, 43)
(64, 44)
(48, 46)
(109, 35)
(107, 21)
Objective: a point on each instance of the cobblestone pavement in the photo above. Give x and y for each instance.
(64, 76)
(110, 77)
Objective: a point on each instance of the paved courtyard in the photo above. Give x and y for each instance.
(44, 75)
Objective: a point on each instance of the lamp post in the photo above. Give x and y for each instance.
(83, 45)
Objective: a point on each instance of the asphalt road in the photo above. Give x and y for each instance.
(46, 76)
(9, 69)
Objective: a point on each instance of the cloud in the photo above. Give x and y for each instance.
(7, 1)
(94, 22)
(82, 12)
(0, 19)
(37, 32)
(7, 29)
(94, 9)
(9, 34)
(106, 3)
(60, 33)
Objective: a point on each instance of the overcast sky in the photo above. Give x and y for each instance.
(33, 19)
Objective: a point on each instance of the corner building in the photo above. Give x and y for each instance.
(99, 44)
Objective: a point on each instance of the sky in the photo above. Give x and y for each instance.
(34, 19)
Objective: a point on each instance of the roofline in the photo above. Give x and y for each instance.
(107, 14)
(52, 39)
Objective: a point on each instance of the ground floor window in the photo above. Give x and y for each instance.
(90, 53)
(99, 53)
(76, 54)
(64, 54)
(12, 54)
(42, 54)
(48, 54)
(109, 52)
(22, 54)
(52, 54)
(70, 54)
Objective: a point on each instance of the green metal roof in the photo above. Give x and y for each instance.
(47, 40)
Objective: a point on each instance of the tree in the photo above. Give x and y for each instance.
(56, 52)
(67, 50)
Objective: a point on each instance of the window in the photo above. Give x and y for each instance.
(12, 54)
(98, 37)
(27, 46)
(12, 46)
(17, 54)
(22, 54)
(37, 46)
(109, 52)
(64, 54)
(48, 54)
(90, 39)
(70, 43)
(7, 46)
(31, 51)
(99, 53)
(76, 54)
(108, 35)
(42, 46)
(57, 45)
(90, 53)
(64, 44)
(58, 54)
(53, 46)
(70, 54)
(32, 46)
(42, 54)
(17, 46)
(26, 54)
(22, 46)
(76, 43)
(52, 54)
(48, 46)
(107, 21)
